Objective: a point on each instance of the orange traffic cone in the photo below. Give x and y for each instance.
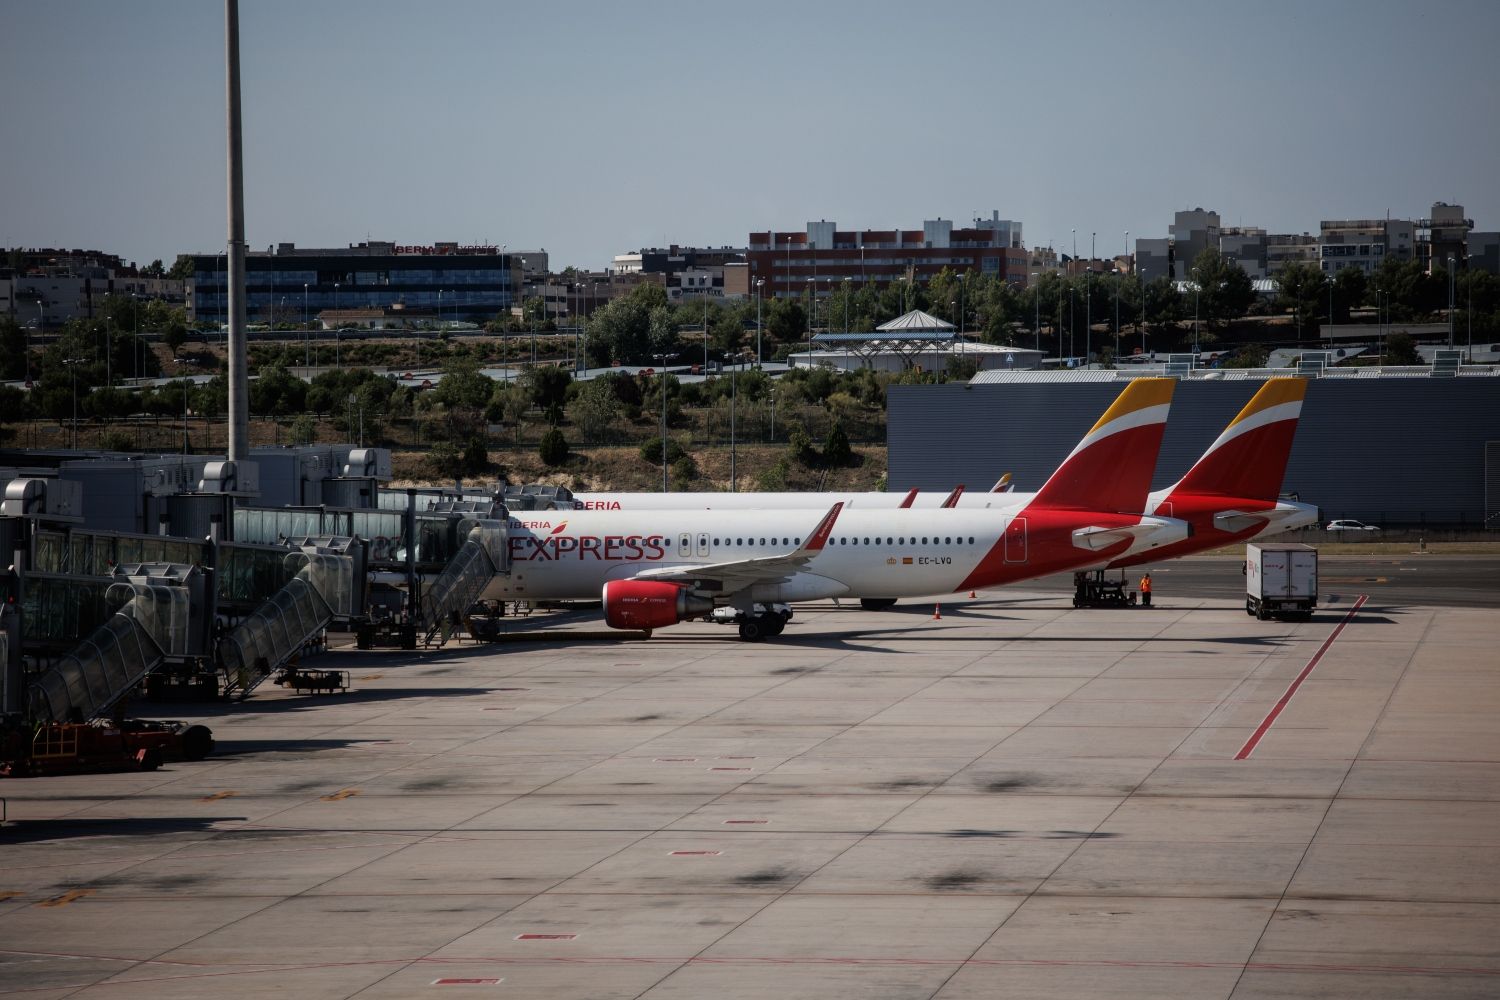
(937, 612)
(972, 595)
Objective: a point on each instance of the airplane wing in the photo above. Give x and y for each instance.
(737, 574)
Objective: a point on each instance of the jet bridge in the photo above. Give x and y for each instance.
(327, 583)
(482, 557)
(152, 621)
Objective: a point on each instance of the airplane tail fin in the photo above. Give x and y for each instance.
(1111, 468)
(952, 499)
(1249, 458)
(1003, 485)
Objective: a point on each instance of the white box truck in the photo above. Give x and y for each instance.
(1280, 579)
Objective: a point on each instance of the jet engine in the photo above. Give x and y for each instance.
(649, 604)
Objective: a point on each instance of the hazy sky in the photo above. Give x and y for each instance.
(592, 129)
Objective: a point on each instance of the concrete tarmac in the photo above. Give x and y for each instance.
(1016, 800)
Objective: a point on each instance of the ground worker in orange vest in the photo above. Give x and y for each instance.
(1146, 590)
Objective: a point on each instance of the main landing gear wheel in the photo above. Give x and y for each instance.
(753, 630)
(877, 603)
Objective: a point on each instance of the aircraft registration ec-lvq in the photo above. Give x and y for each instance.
(655, 568)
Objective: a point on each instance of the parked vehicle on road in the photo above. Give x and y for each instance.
(1338, 526)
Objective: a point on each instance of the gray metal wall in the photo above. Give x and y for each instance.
(1392, 451)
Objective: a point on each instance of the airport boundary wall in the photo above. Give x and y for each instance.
(1396, 452)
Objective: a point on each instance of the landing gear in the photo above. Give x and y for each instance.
(765, 622)
(877, 603)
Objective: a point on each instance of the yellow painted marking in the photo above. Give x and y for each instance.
(9, 894)
(342, 793)
(66, 897)
(216, 796)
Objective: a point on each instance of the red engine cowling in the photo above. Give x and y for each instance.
(648, 604)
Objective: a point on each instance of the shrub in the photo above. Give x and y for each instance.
(836, 450)
(117, 440)
(554, 448)
(684, 470)
(651, 451)
(803, 452)
(773, 480)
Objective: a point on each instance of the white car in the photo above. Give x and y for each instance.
(1349, 526)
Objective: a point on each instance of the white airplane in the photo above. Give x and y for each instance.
(1231, 494)
(657, 568)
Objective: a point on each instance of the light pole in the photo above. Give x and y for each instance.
(72, 365)
(1118, 282)
(1450, 300)
(1140, 279)
(1196, 289)
(733, 400)
(335, 324)
(306, 331)
(661, 359)
(705, 334)
(1469, 309)
(1036, 321)
(759, 284)
(847, 279)
(812, 305)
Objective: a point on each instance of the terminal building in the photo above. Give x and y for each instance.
(1408, 447)
(290, 284)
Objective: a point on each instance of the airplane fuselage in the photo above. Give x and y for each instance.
(870, 553)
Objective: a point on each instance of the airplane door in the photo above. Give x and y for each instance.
(684, 545)
(1015, 540)
(703, 544)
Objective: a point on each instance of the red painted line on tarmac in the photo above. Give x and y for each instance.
(467, 982)
(1255, 737)
(672, 760)
(695, 854)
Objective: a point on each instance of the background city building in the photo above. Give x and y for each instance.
(791, 263)
(289, 284)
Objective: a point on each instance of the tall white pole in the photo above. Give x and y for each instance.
(239, 396)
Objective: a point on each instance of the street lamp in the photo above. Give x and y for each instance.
(759, 284)
(335, 324)
(306, 331)
(1450, 300)
(847, 279)
(661, 360)
(1036, 302)
(1117, 300)
(1469, 309)
(733, 399)
(812, 305)
(72, 366)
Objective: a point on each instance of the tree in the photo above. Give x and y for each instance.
(627, 331)
(548, 385)
(1301, 290)
(155, 269)
(596, 411)
(1400, 349)
(554, 448)
(182, 268)
(1224, 289)
(1349, 290)
(801, 447)
(785, 321)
